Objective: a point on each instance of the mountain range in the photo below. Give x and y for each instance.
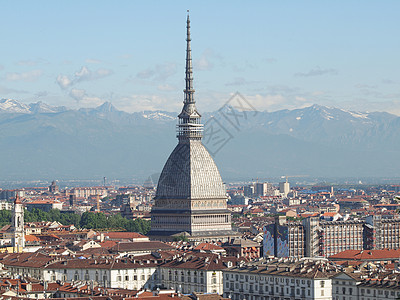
(39, 141)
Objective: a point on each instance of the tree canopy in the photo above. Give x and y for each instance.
(89, 220)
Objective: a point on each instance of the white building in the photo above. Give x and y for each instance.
(111, 273)
(284, 188)
(280, 279)
(17, 225)
(201, 272)
(375, 285)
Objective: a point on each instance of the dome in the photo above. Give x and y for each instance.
(190, 173)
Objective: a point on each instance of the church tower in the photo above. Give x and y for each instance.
(18, 238)
(191, 197)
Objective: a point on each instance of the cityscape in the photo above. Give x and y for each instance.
(254, 198)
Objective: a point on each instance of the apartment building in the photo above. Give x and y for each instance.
(279, 279)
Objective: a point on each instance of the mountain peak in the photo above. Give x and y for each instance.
(13, 106)
(41, 107)
(106, 107)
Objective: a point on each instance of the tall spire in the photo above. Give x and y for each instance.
(189, 91)
(189, 127)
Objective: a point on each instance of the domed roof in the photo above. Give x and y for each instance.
(190, 173)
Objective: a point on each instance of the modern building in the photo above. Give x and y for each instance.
(338, 236)
(191, 198)
(284, 239)
(284, 188)
(312, 237)
(263, 189)
(382, 233)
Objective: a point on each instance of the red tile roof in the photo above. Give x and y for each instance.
(384, 254)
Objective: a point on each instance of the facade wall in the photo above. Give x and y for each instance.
(338, 236)
(250, 286)
(284, 240)
(346, 288)
(189, 280)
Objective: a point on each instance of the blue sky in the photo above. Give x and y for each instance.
(277, 54)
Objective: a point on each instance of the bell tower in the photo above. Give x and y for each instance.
(18, 239)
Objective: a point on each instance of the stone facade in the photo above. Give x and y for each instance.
(191, 197)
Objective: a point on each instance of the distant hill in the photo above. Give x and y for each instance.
(38, 141)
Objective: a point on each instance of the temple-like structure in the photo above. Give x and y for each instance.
(191, 197)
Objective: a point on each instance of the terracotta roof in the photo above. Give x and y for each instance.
(31, 238)
(383, 254)
(141, 246)
(122, 235)
(208, 247)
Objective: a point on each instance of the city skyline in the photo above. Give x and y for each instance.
(278, 56)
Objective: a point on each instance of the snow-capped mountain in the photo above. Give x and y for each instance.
(13, 106)
(316, 140)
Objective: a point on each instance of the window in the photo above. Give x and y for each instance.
(322, 283)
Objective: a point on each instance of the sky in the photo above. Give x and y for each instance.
(277, 54)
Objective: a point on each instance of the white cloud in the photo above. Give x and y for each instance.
(77, 94)
(204, 64)
(207, 60)
(84, 99)
(88, 101)
(63, 81)
(24, 76)
(84, 74)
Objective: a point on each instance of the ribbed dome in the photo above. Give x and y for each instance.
(190, 173)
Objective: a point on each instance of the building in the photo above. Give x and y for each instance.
(279, 279)
(284, 188)
(17, 225)
(200, 273)
(45, 205)
(284, 239)
(240, 247)
(382, 233)
(53, 188)
(311, 227)
(312, 237)
(263, 189)
(338, 236)
(6, 205)
(376, 285)
(86, 192)
(191, 198)
(108, 272)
